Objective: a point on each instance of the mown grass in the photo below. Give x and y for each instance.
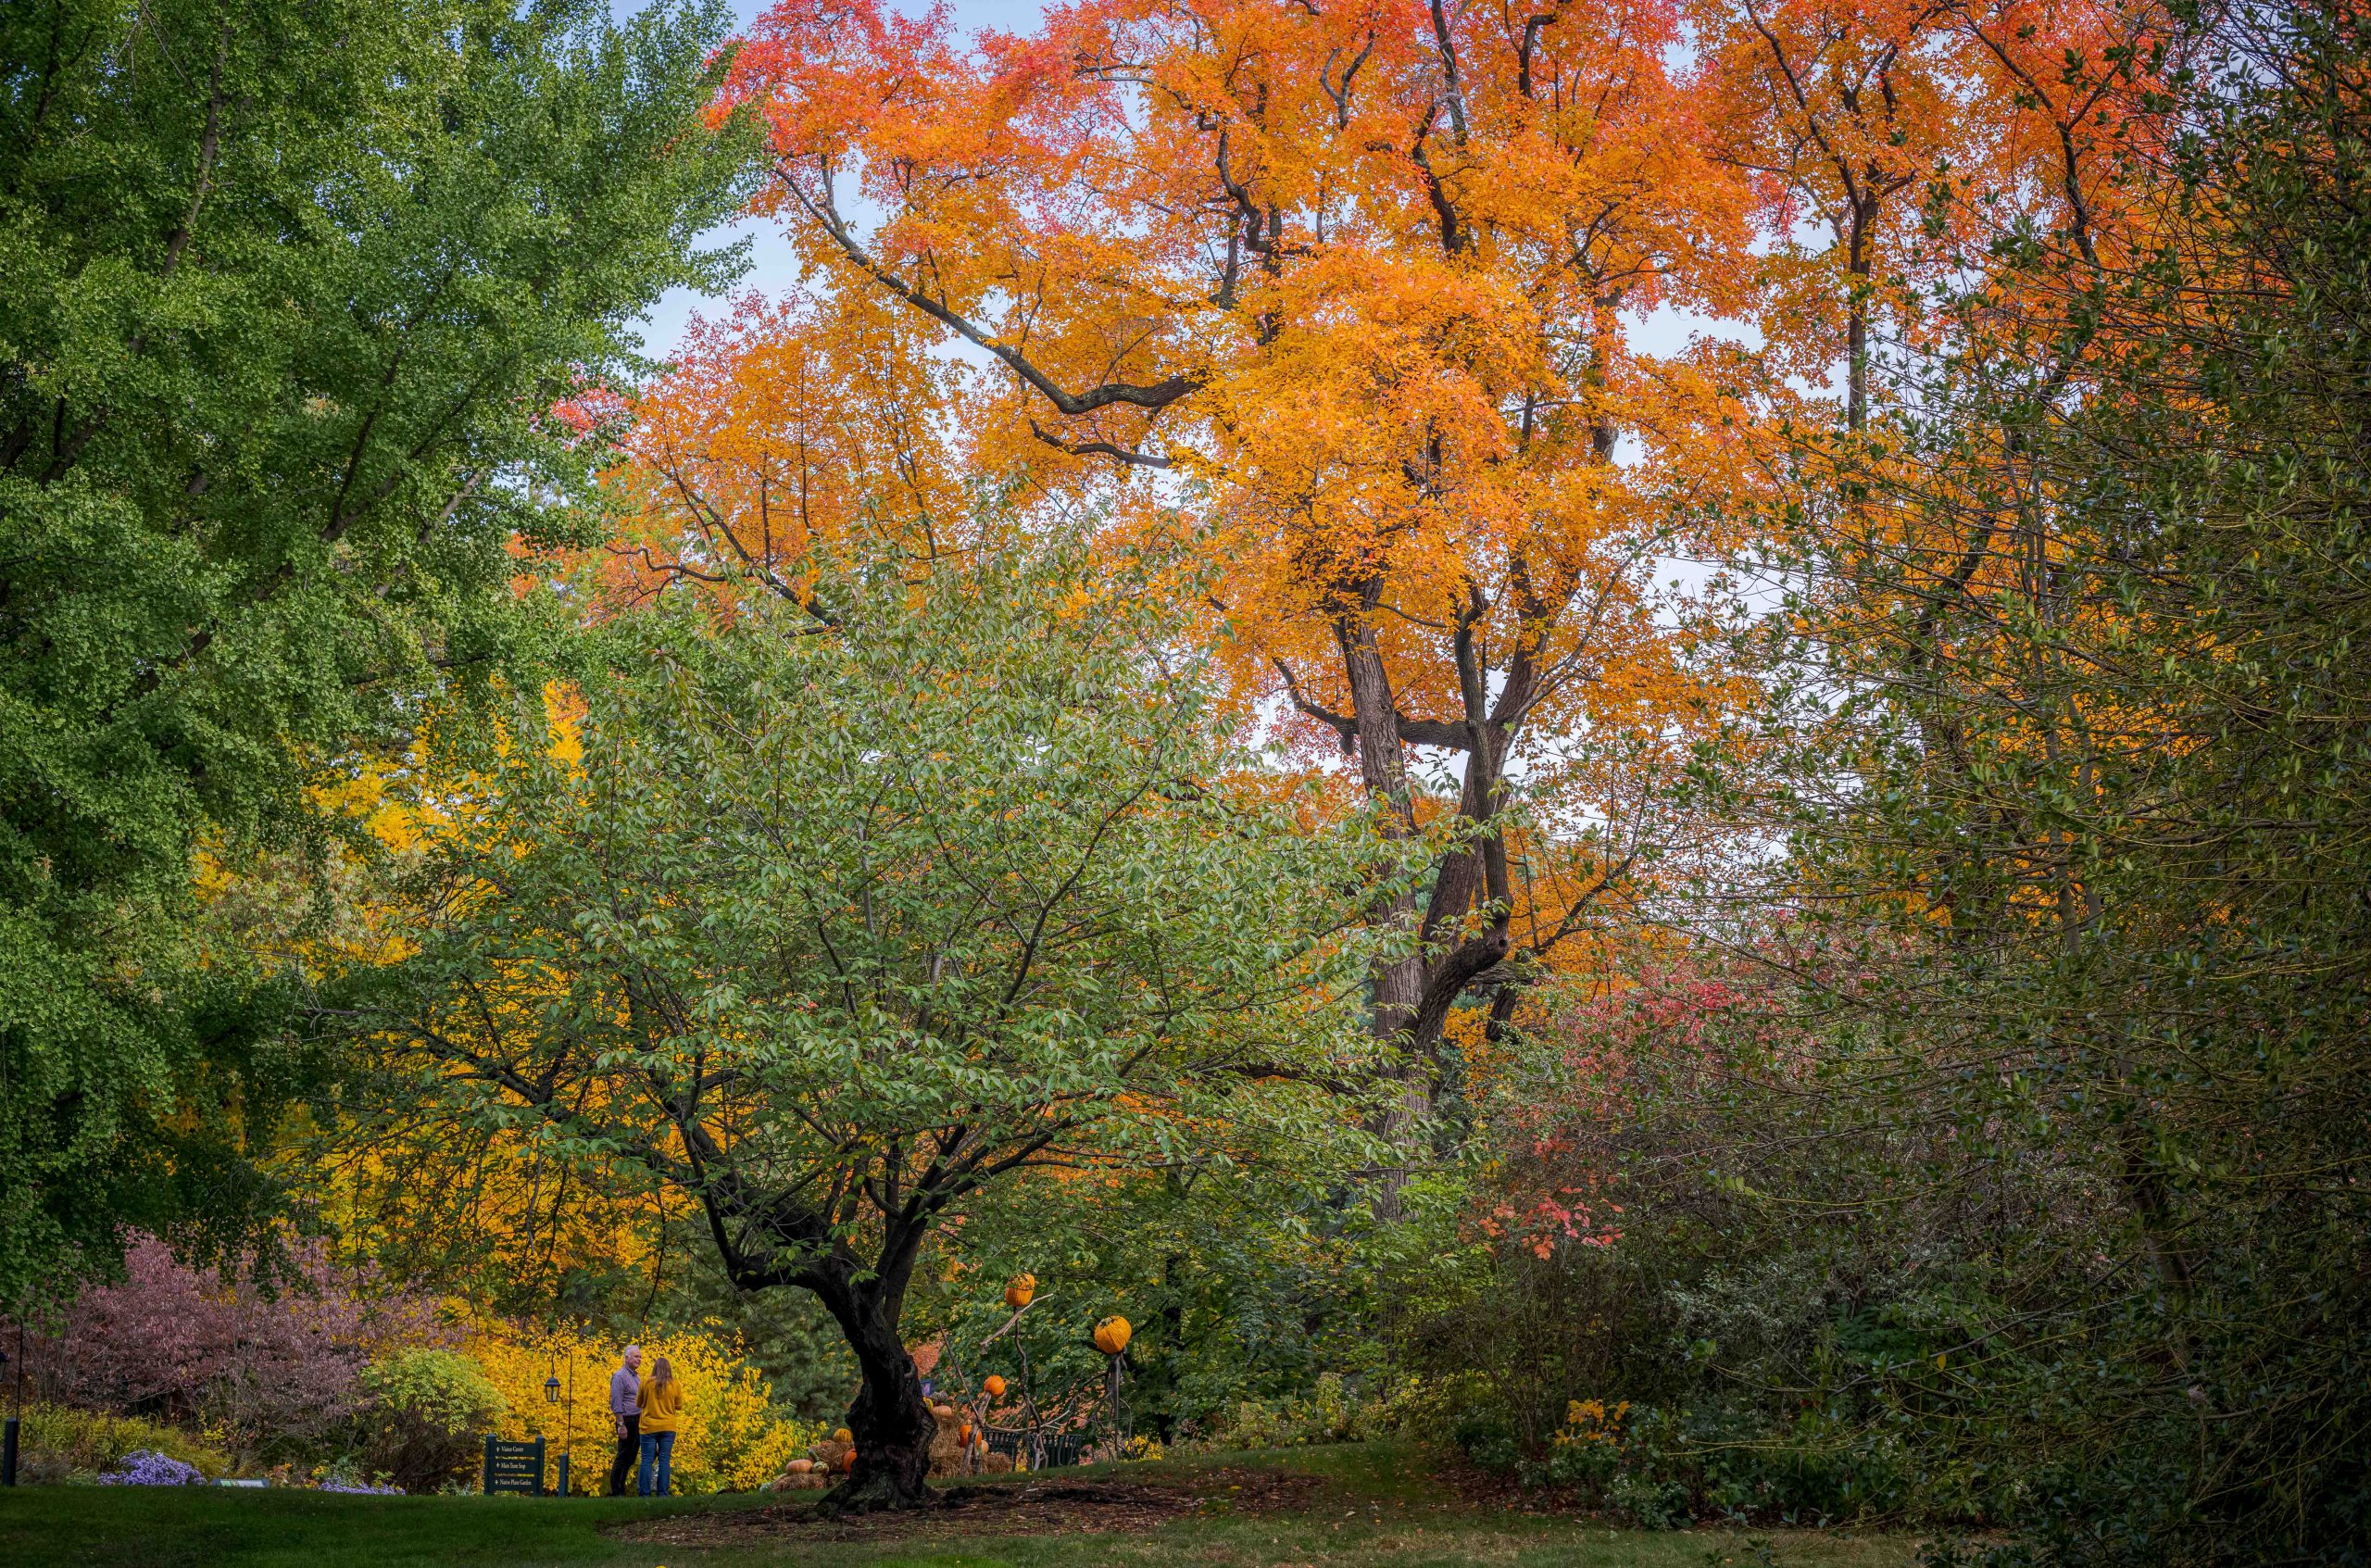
(1375, 1507)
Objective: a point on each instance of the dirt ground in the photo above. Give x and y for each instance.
(1068, 1504)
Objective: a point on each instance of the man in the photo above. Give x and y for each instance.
(625, 1403)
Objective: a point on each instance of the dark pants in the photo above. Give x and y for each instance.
(629, 1450)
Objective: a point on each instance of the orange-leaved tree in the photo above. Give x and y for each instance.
(1844, 112)
(1348, 281)
(785, 428)
(1893, 144)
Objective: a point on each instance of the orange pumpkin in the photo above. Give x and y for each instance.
(798, 1467)
(995, 1387)
(963, 1434)
(843, 1436)
(1019, 1289)
(1111, 1336)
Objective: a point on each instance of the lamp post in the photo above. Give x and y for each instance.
(14, 1419)
(551, 1397)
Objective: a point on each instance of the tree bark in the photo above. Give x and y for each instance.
(890, 1419)
(1383, 769)
(1856, 313)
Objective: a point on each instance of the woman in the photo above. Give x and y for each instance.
(662, 1415)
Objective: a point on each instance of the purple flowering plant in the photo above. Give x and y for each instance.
(268, 1359)
(146, 1467)
(345, 1475)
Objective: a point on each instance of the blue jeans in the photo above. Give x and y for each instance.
(658, 1464)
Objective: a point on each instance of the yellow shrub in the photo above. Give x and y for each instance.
(59, 1442)
(731, 1439)
(1590, 1421)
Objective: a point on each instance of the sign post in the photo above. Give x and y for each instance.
(14, 1424)
(514, 1467)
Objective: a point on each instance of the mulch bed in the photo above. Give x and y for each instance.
(1068, 1504)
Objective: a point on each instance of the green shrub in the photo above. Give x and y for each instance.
(1489, 1442)
(1332, 1413)
(1661, 1468)
(428, 1414)
(61, 1444)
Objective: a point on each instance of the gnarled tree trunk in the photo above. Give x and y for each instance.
(890, 1419)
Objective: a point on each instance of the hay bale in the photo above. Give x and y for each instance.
(994, 1463)
(946, 1445)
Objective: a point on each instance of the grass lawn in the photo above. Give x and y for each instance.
(1362, 1504)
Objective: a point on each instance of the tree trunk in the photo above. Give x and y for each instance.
(1399, 983)
(890, 1420)
(1859, 262)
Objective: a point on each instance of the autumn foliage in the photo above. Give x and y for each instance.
(1363, 289)
(1349, 286)
(1641, 708)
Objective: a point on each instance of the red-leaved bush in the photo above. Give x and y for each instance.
(1667, 1043)
(274, 1363)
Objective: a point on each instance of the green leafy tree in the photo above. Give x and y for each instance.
(840, 925)
(290, 292)
(1239, 1283)
(2090, 638)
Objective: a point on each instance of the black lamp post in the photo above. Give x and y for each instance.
(551, 1397)
(568, 1420)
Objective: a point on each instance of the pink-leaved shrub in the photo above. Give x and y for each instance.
(273, 1363)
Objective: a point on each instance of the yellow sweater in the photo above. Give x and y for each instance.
(662, 1406)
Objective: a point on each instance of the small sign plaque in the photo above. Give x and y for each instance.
(514, 1467)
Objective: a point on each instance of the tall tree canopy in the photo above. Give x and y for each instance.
(1359, 275)
(1367, 278)
(833, 931)
(2085, 625)
(289, 290)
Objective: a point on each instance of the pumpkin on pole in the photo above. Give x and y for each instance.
(1019, 1292)
(1111, 1336)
